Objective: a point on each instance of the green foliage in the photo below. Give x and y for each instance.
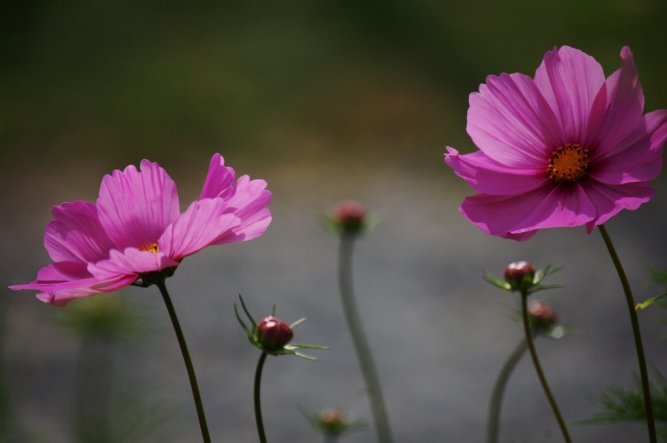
(619, 405)
(102, 316)
(660, 277)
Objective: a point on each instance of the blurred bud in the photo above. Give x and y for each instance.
(519, 275)
(542, 316)
(332, 421)
(349, 217)
(102, 316)
(273, 334)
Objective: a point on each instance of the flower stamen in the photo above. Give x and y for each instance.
(568, 164)
(150, 247)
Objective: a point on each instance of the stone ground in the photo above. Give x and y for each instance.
(439, 332)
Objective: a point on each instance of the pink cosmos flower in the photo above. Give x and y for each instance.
(135, 230)
(566, 148)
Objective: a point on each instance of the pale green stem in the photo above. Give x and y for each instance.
(493, 423)
(361, 346)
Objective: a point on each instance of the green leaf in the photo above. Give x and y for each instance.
(645, 304)
(659, 276)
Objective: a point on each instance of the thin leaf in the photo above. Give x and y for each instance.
(645, 304)
(659, 276)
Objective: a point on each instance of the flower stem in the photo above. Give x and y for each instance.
(361, 346)
(538, 367)
(258, 404)
(493, 424)
(188, 362)
(636, 331)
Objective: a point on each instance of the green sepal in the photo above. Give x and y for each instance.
(297, 323)
(308, 346)
(495, 281)
(245, 309)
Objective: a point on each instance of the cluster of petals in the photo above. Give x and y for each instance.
(523, 126)
(136, 228)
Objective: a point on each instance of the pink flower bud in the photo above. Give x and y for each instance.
(350, 216)
(273, 334)
(519, 275)
(332, 421)
(542, 316)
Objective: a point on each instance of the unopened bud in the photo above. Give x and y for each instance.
(519, 275)
(542, 316)
(349, 216)
(273, 334)
(332, 421)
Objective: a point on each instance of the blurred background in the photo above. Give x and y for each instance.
(326, 100)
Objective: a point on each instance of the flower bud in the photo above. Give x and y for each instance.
(542, 316)
(519, 275)
(332, 421)
(273, 334)
(349, 216)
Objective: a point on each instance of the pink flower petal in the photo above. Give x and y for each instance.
(490, 177)
(58, 289)
(610, 200)
(511, 122)
(247, 199)
(547, 207)
(75, 234)
(135, 207)
(220, 180)
(570, 80)
(612, 127)
(203, 222)
(641, 160)
(130, 262)
(249, 203)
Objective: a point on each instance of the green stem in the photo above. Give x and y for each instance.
(493, 424)
(361, 346)
(636, 331)
(538, 367)
(188, 362)
(258, 404)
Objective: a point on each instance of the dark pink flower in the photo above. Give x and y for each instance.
(566, 148)
(136, 229)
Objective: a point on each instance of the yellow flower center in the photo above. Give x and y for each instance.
(568, 164)
(150, 247)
